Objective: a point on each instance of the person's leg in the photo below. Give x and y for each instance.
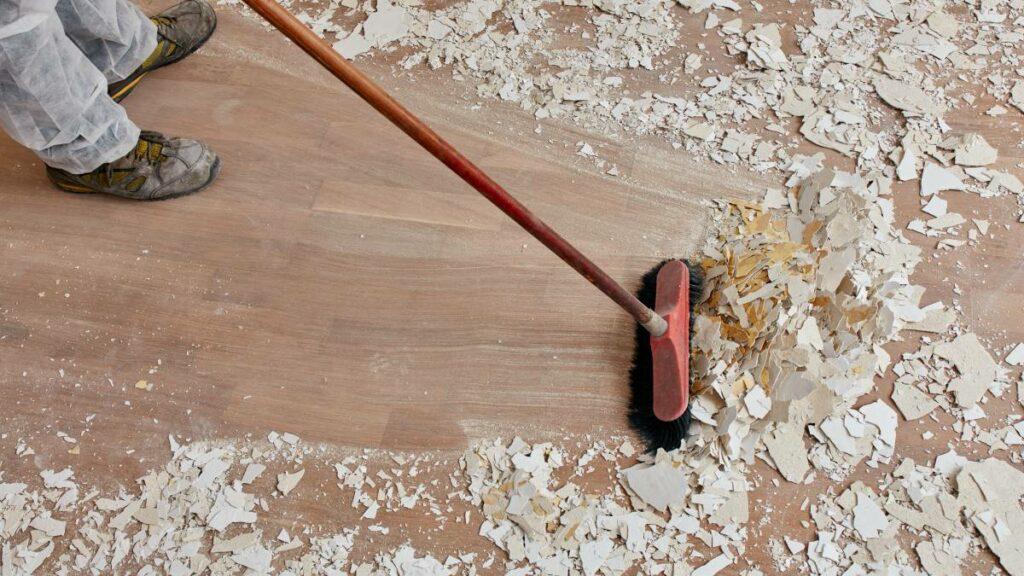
(53, 100)
(113, 34)
(181, 30)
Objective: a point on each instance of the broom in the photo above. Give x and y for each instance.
(660, 376)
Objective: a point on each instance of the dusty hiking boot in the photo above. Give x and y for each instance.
(181, 30)
(158, 169)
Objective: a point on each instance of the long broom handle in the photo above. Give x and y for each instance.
(336, 64)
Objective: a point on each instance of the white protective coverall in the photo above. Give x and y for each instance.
(56, 60)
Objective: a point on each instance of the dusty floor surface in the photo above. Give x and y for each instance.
(338, 285)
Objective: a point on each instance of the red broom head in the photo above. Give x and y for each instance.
(670, 352)
(660, 378)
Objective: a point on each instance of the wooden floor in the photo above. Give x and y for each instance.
(338, 284)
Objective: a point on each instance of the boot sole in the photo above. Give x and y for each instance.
(127, 89)
(72, 188)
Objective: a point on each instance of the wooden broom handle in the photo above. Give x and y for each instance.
(336, 64)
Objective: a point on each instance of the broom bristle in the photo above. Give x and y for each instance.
(656, 433)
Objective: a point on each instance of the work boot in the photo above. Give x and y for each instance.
(158, 168)
(181, 30)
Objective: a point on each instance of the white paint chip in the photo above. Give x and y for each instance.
(809, 335)
(869, 520)
(287, 481)
(935, 207)
(659, 486)
(1016, 356)
(714, 566)
(912, 403)
(757, 402)
(977, 369)
(974, 150)
(937, 179)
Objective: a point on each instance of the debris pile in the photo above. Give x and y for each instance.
(946, 507)
(837, 76)
(202, 514)
(198, 514)
(645, 521)
(804, 290)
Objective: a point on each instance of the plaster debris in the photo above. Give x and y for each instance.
(973, 150)
(907, 167)
(904, 96)
(714, 566)
(352, 45)
(936, 206)
(287, 481)
(838, 76)
(659, 486)
(788, 452)
(991, 491)
(1016, 356)
(976, 368)
(912, 402)
(386, 24)
(1017, 95)
(937, 179)
(869, 520)
(758, 403)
